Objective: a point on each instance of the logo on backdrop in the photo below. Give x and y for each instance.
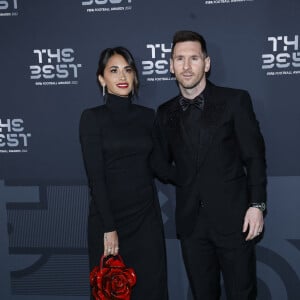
(283, 57)
(102, 6)
(9, 8)
(157, 67)
(212, 2)
(13, 136)
(54, 67)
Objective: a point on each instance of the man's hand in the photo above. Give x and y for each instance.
(253, 222)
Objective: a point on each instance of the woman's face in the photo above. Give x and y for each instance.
(118, 76)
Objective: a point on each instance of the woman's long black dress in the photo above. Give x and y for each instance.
(116, 144)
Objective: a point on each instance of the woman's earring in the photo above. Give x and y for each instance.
(103, 90)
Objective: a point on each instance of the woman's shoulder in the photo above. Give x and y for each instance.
(93, 110)
(145, 113)
(143, 109)
(91, 117)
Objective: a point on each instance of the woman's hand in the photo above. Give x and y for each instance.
(111, 243)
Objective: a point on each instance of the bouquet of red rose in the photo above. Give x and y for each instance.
(112, 280)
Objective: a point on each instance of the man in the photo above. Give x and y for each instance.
(212, 136)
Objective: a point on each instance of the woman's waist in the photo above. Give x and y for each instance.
(137, 173)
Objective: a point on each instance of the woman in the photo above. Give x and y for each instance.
(124, 214)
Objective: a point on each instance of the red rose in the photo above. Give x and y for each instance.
(116, 283)
(113, 281)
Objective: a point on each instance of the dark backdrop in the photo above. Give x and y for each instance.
(48, 57)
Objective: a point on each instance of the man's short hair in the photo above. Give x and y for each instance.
(189, 36)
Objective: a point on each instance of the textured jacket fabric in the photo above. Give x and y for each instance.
(226, 170)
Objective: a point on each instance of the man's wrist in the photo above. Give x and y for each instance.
(261, 206)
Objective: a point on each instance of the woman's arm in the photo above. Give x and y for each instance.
(92, 152)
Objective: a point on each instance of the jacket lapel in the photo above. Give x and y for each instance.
(179, 135)
(211, 119)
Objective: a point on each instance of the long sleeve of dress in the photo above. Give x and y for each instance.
(91, 145)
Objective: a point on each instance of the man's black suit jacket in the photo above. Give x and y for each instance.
(226, 171)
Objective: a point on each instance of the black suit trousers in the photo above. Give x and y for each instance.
(207, 253)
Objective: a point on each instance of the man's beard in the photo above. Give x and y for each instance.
(190, 86)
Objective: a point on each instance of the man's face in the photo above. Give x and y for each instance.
(189, 65)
